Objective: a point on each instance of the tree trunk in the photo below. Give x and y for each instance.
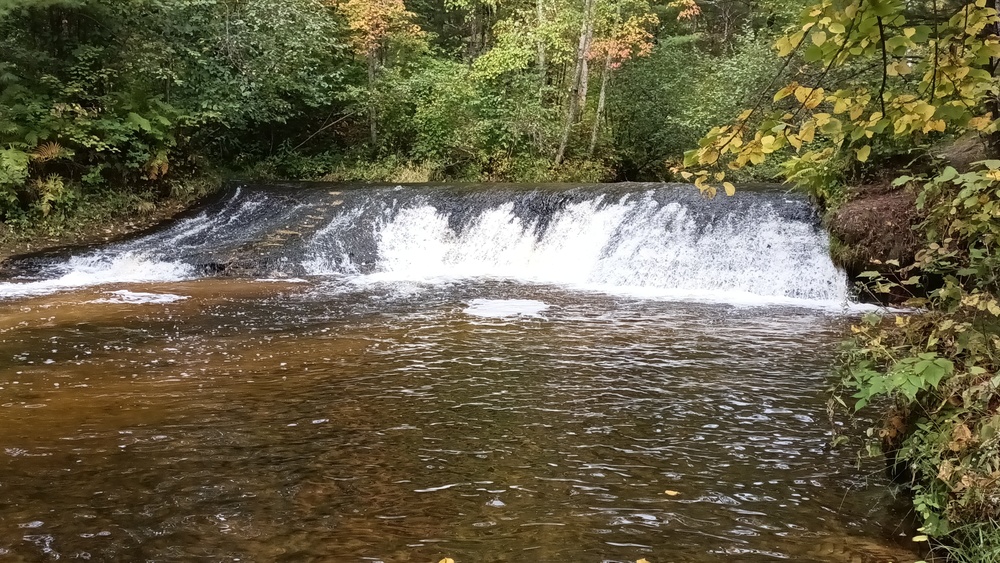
(372, 116)
(585, 74)
(605, 76)
(574, 89)
(993, 102)
(542, 68)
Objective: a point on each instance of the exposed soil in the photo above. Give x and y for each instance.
(874, 227)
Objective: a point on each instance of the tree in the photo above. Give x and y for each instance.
(625, 40)
(375, 23)
(880, 77)
(578, 84)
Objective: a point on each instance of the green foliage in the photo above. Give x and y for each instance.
(872, 79)
(134, 93)
(666, 102)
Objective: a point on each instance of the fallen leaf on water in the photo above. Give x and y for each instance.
(447, 560)
(643, 560)
(670, 493)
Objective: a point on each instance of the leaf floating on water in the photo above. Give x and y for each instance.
(447, 560)
(671, 494)
(643, 560)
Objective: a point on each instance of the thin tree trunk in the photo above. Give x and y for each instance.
(542, 67)
(574, 90)
(605, 76)
(585, 74)
(372, 116)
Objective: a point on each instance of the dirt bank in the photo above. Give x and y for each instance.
(875, 226)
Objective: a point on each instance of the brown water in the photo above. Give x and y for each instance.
(260, 421)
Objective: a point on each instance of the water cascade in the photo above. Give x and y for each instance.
(651, 240)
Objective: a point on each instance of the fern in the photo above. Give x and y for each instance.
(48, 151)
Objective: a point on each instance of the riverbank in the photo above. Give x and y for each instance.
(100, 218)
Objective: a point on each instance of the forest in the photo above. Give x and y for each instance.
(140, 98)
(111, 109)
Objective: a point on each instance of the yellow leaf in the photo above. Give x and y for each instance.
(686, 175)
(730, 188)
(981, 122)
(643, 560)
(670, 493)
(935, 125)
(863, 153)
(919, 538)
(719, 176)
(818, 38)
(813, 99)
(784, 46)
(708, 156)
(784, 92)
(447, 560)
(856, 111)
(807, 132)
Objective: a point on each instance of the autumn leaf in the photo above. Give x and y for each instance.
(863, 153)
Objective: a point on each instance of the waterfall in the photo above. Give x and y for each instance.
(639, 239)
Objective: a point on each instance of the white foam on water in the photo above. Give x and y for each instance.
(505, 308)
(634, 247)
(100, 269)
(138, 297)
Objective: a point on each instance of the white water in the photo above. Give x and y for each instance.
(638, 248)
(505, 308)
(99, 269)
(125, 296)
(634, 245)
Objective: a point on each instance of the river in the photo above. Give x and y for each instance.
(603, 373)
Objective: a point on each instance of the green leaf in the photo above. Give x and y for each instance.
(813, 54)
(139, 121)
